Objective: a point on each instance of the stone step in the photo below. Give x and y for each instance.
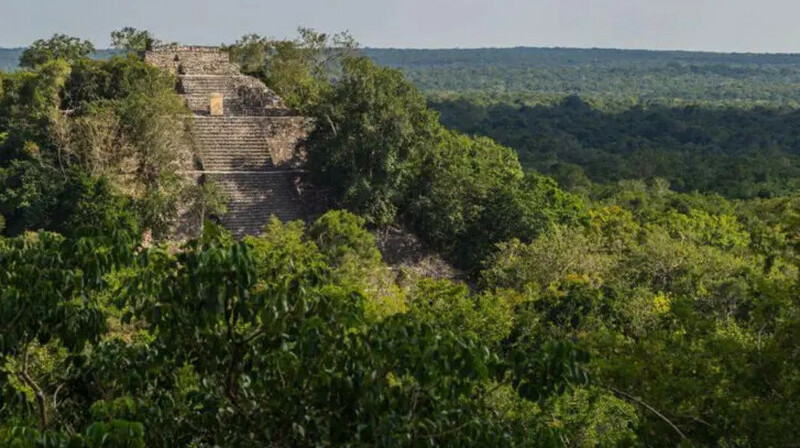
(199, 105)
(245, 95)
(231, 143)
(208, 84)
(237, 163)
(203, 120)
(197, 102)
(255, 196)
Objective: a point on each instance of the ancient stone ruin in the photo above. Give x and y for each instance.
(246, 138)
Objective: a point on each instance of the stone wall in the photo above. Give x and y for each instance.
(187, 60)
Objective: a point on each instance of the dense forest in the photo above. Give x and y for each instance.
(647, 297)
(721, 123)
(610, 74)
(735, 151)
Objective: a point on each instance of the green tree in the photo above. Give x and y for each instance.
(372, 128)
(48, 295)
(456, 178)
(250, 52)
(272, 341)
(521, 210)
(124, 123)
(353, 255)
(298, 70)
(73, 204)
(134, 40)
(449, 305)
(59, 46)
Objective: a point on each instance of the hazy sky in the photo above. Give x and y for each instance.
(722, 25)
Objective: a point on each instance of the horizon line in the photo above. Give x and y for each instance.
(528, 47)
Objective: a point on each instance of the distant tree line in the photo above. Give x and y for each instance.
(624, 74)
(738, 152)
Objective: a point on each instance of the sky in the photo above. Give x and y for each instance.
(707, 25)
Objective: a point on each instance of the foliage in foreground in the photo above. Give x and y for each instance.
(251, 344)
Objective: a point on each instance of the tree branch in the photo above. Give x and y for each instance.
(651, 409)
(37, 391)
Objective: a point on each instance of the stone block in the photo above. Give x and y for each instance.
(217, 104)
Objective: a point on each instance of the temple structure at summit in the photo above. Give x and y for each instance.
(247, 141)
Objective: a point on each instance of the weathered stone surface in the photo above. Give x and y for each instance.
(256, 196)
(243, 95)
(192, 60)
(248, 141)
(216, 104)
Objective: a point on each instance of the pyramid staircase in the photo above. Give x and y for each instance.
(247, 143)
